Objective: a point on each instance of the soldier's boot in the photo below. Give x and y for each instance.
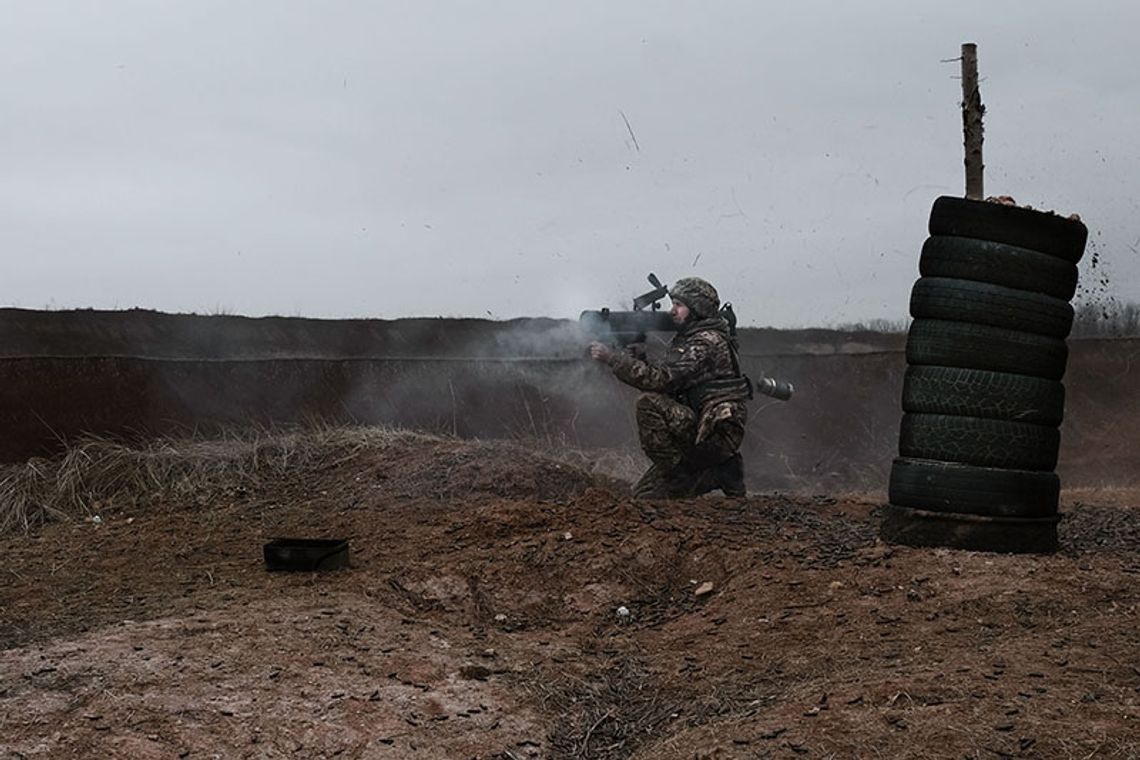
(704, 481)
(730, 476)
(683, 483)
(660, 482)
(651, 485)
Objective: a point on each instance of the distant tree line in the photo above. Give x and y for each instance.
(877, 325)
(1108, 318)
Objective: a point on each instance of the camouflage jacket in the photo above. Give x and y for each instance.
(701, 351)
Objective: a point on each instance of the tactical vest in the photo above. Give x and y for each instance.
(736, 388)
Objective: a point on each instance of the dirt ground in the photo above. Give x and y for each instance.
(482, 618)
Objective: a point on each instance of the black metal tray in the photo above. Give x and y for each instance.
(306, 554)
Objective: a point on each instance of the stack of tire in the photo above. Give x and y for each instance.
(982, 397)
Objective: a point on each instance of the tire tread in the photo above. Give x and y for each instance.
(979, 393)
(988, 491)
(979, 441)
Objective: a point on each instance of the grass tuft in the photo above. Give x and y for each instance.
(96, 471)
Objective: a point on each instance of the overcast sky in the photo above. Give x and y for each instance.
(388, 159)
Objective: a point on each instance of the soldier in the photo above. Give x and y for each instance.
(691, 417)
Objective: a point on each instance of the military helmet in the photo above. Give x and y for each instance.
(699, 295)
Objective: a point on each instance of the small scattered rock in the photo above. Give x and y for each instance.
(704, 589)
(475, 672)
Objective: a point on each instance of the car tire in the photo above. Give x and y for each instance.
(979, 441)
(981, 303)
(978, 393)
(1025, 228)
(966, 489)
(946, 343)
(998, 264)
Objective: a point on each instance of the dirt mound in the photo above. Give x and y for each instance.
(98, 473)
(454, 469)
(503, 604)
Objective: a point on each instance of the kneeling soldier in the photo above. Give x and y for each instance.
(691, 418)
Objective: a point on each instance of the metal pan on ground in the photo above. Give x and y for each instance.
(306, 554)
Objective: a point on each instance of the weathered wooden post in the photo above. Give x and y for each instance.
(972, 111)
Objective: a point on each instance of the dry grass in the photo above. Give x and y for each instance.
(97, 470)
(624, 465)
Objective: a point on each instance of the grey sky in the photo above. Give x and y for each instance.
(387, 159)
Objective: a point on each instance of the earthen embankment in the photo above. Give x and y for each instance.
(137, 374)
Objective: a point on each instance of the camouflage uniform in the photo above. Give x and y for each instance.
(690, 427)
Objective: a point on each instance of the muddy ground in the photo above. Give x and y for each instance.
(480, 619)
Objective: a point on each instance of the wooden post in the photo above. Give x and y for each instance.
(972, 110)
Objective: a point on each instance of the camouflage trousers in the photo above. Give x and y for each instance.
(681, 465)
